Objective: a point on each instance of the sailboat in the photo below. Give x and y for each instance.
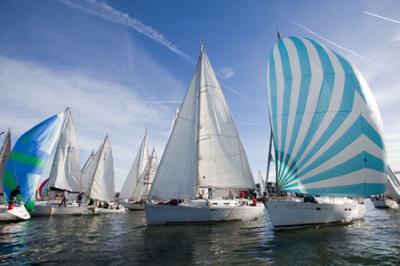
(391, 197)
(26, 163)
(138, 182)
(204, 165)
(4, 153)
(65, 172)
(327, 134)
(100, 173)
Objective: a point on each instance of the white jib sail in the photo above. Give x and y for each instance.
(85, 176)
(65, 172)
(176, 174)
(133, 187)
(4, 153)
(102, 187)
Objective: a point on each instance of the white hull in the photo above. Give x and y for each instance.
(385, 203)
(55, 210)
(18, 213)
(291, 214)
(133, 206)
(109, 210)
(169, 214)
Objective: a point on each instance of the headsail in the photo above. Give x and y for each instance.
(4, 153)
(65, 171)
(133, 188)
(204, 148)
(102, 170)
(29, 157)
(86, 178)
(327, 129)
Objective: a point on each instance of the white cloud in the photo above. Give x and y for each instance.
(225, 73)
(111, 14)
(30, 93)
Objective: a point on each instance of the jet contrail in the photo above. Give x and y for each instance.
(105, 11)
(382, 17)
(332, 42)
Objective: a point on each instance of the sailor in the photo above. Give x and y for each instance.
(64, 199)
(13, 197)
(79, 198)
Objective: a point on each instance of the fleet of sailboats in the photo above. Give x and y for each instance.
(326, 139)
(137, 184)
(327, 136)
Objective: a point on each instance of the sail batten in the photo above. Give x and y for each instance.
(325, 121)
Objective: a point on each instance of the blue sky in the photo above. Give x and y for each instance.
(124, 66)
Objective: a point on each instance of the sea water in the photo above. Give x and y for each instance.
(117, 239)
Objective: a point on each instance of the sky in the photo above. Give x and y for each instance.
(124, 66)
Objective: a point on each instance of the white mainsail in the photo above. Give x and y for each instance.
(204, 148)
(133, 187)
(4, 153)
(222, 161)
(65, 171)
(101, 171)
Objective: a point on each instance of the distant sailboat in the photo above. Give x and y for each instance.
(133, 188)
(65, 172)
(391, 197)
(100, 172)
(327, 135)
(204, 158)
(26, 163)
(4, 153)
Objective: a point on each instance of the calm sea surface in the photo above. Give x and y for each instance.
(125, 240)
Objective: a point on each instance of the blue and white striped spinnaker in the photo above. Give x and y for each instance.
(327, 129)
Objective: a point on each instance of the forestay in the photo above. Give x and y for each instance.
(327, 129)
(29, 157)
(65, 171)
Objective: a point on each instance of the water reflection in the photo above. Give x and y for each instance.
(125, 240)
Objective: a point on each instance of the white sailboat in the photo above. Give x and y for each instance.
(64, 173)
(391, 197)
(327, 135)
(204, 165)
(134, 187)
(4, 153)
(100, 172)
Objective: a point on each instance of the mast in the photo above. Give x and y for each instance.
(271, 139)
(198, 117)
(268, 163)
